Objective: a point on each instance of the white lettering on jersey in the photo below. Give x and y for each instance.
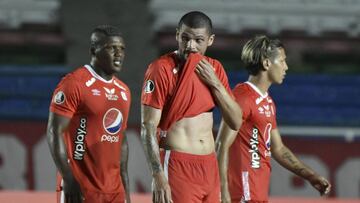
(254, 145)
(79, 140)
(109, 138)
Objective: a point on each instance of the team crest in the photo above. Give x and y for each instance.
(59, 98)
(112, 121)
(149, 86)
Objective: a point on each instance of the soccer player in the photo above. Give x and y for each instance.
(88, 116)
(244, 155)
(180, 91)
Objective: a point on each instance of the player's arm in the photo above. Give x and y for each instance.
(288, 160)
(150, 118)
(230, 110)
(224, 140)
(124, 168)
(55, 128)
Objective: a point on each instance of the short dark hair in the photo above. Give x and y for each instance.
(196, 19)
(101, 31)
(256, 50)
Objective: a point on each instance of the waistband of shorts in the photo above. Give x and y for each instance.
(189, 157)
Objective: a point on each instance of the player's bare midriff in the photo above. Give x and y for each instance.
(192, 135)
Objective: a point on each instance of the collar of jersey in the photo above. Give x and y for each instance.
(95, 75)
(257, 89)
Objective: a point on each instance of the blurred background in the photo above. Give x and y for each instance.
(318, 104)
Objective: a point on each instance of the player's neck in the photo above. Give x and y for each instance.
(101, 73)
(261, 84)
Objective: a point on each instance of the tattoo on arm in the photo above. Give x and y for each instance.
(294, 164)
(148, 136)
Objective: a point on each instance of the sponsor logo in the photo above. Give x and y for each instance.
(109, 138)
(268, 100)
(90, 82)
(149, 86)
(79, 140)
(258, 100)
(254, 148)
(261, 110)
(95, 92)
(267, 135)
(265, 109)
(112, 121)
(110, 94)
(59, 98)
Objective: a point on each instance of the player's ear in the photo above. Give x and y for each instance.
(266, 63)
(211, 39)
(177, 34)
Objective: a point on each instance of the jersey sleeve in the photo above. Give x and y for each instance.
(127, 110)
(220, 72)
(274, 123)
(243, 102)
(66, 97)
(155, 89)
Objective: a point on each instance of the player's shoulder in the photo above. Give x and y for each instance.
(213, 61)
(76, 76)
(242, 89)
(166, 61)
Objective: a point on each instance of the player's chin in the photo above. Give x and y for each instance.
(280, 80)
(116, 69)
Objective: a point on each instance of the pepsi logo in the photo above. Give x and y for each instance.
(267, 135)
(112, 121)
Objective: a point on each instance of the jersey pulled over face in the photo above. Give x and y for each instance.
(249, 155)
(98, 110)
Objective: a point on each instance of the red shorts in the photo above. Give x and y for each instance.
(192, 178)
(93, 197)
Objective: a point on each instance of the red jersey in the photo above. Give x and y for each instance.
(98, 110)
(161, 79)
(249, 155)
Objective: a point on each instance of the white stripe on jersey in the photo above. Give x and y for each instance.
(246, 187)
(62, 194)
(166, 163)
(95, 75)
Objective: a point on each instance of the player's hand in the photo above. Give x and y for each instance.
(206, 73)
(72, 192)
(161, 189)
(321, 184)
(225, 196)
